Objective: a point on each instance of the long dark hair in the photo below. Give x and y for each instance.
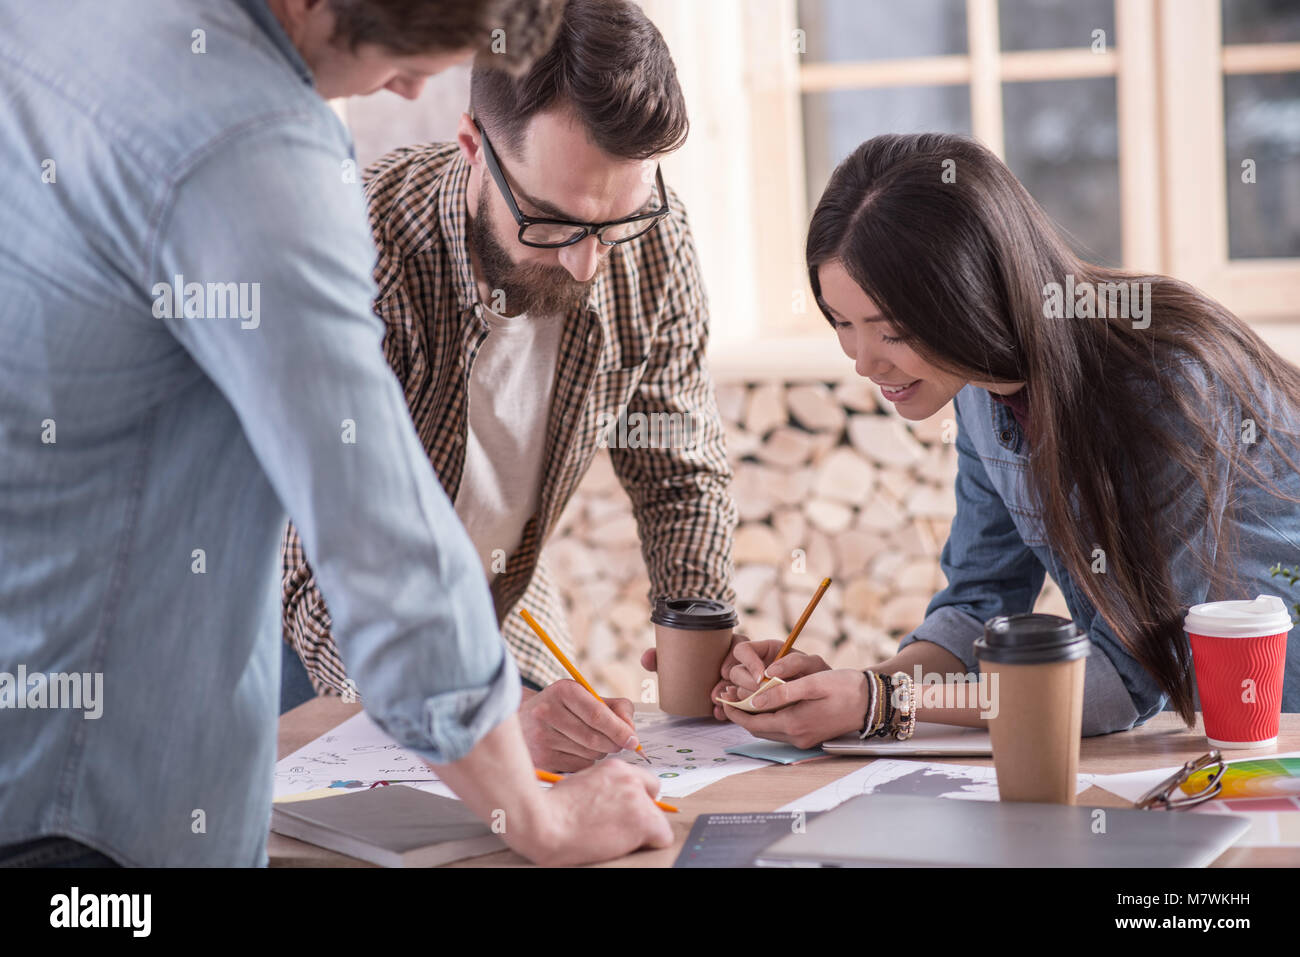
(958, 257)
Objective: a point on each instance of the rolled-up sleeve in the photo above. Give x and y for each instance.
(989, 568)
(1109, 703)
(680, 492)
(324, 415)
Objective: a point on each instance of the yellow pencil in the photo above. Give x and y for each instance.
(552, 778)
(568, 666)
(803, 620)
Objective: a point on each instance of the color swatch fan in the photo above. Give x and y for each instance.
(1263, 784)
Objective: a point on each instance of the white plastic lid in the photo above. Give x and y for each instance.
(1265, 615)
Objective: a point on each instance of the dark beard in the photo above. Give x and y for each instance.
(528, 287)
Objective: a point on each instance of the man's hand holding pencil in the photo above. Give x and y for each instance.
(582, 731)
(567, 729)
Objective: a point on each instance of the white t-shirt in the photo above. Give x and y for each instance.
(510, 387)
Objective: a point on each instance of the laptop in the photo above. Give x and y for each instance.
(894, 830)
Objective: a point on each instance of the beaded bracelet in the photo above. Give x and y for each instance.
(869, 720)
(887, 714)
(879, 704)
(899, 700)
(878, 715)
(906, 707)
(911, 717)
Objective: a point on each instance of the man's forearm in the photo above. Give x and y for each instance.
(497, 782)
(687, 533)
(680, 490)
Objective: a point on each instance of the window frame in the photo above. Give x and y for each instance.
(1168, 62)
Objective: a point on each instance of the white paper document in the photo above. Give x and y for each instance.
(687, 754)
(356, 750)
(965, 782)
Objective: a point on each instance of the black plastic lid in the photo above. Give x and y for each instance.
(693, 614)
(1031, 639)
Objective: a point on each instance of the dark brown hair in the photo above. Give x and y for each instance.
(609, 65)
(960, 266)
(413, 27)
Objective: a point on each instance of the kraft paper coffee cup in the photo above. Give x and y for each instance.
(1037, 662)
(1239, 655)
(692, 638)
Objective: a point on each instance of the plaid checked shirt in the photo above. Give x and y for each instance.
(637, 347)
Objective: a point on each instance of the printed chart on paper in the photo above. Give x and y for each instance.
(687, 754)
(357, 753)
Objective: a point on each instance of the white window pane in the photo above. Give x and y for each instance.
(836, 122)
(1054, 24)
(1261, 21)
(839, 30)
(1062, 142)
(1261, 114)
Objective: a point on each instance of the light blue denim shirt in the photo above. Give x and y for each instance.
(997, 555)
(147, 463)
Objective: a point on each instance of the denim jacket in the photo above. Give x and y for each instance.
(147, 462)
(997, 555)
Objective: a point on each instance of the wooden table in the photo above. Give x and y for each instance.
(1161, 742)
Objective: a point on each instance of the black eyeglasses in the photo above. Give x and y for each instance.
(552, 233)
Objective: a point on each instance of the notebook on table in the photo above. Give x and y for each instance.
(733, 840)
(391, 826)
(892, 830)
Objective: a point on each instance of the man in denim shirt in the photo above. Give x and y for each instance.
(186, 352)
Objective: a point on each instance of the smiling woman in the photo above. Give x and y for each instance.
(1149, 465)
(916, 387)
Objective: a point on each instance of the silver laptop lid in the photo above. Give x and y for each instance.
(891, 830)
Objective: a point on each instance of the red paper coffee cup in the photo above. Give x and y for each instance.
(1239, 654)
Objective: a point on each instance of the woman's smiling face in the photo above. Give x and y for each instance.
(917, 389)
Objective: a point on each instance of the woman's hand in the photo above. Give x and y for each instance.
(794, 665)
(807, 710)
(744, 668)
